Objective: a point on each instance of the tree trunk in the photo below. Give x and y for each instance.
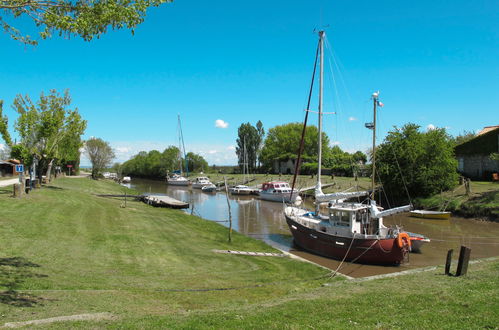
(49, 170)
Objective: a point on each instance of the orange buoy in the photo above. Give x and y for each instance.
(403, 239)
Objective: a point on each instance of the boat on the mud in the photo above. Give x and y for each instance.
(200, 182)
(439, 215)
(177, 180)
(241, 189)
(278, 191)
(417, 241)
(209, 188)
(126, 179)
(350, 231)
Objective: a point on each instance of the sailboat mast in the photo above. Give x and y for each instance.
(322, 34)
(373, 181)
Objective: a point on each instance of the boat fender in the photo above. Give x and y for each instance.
(403, 239)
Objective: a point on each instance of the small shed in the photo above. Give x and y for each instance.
(473, 156)
(7, 168)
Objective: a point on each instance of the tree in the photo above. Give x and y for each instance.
(282, 143)
(100, 154)
(196, 163)
(424, 162)
(48, 130)
(463, 137)
(84, 18)
(4, 125)
(248, 140)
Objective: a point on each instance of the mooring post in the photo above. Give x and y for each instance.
(448, 262)
(228, 205)
(464, 258)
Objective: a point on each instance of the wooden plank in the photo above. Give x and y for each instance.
(165, 201)
(249, 253)
(448, 262)
(464, 258)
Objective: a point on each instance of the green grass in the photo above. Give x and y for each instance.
(66, 251)
(483, 202)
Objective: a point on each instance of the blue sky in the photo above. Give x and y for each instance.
(435, 63)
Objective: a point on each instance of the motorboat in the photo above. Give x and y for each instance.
(177, 180)
(278, 191)
(241, 190)
(209, 188)
(200, 182)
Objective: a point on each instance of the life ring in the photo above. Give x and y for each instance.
(403, 239)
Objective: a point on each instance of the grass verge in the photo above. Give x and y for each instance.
(66, 252)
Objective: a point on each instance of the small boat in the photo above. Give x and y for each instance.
(200, 182)
(417, 241)
(209, 188)
(177, 180)
(430, 214)
(240, 190)
(126, 179)
(277, 191)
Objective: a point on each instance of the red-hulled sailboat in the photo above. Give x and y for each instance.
(349, 231)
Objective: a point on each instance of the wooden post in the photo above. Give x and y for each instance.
(464, 258)
(448, 262)
(125, 198)
(228, 204)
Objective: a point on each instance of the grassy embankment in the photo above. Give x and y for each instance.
(66, 251)
(483, 202)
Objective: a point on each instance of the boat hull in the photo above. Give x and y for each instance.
(177, 183)
(278, 197)
(430, 214)
(366, 251)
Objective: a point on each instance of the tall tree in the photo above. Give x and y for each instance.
(4, 125)
(282, 143)
(248, 141)
(196, 163)
(48, 129)
(100, 154)
(84, 18)
(422, 161)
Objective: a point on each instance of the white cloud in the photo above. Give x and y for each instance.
(221, 124)
(430, 127)
(352, 118)
(122, 150)
(231, 148)
(335, 143)
(211, 152)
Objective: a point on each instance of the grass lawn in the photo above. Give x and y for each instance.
(66, 251)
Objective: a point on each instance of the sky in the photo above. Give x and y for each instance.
(222, 63)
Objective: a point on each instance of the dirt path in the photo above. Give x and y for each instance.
(80, 317)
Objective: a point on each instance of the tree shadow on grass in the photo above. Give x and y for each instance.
(13, 272)
(53, 187)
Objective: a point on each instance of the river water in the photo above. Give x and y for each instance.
(265, 221)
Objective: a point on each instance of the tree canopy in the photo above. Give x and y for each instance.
(84, 18)
(100, 154)
(157, 164)
(423, 161)
(282, 143)
(49, 130)
(249, 139)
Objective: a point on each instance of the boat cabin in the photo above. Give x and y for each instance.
(275, 186)
(346, 219)
(202, 179)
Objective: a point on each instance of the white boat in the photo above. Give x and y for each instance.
(126, 179)
(200, 182)
(278, 191)
(349, 231)
(177, 180)
(240, 190)
(209, 188)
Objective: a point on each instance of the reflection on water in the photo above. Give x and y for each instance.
(265, 221)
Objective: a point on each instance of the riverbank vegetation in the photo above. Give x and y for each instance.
(481, 202)
(71, 252)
